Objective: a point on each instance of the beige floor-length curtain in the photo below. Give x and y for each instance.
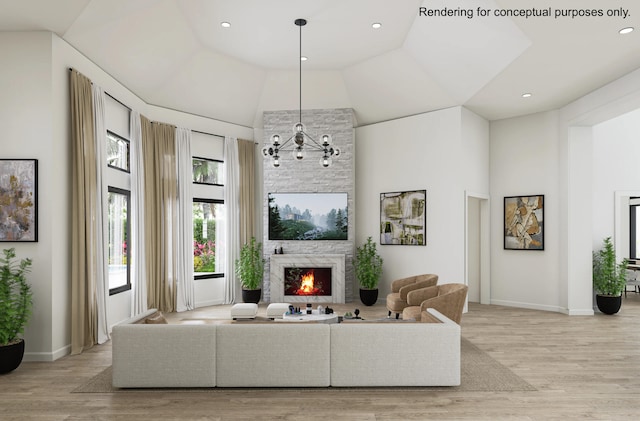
(161, 213)
(83, 211)
(247, 209)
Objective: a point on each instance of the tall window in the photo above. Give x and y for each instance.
(208, 205)
(118, 234)
(118, 178)
(208, 215)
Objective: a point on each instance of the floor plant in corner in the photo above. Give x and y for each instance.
(250, 270)
(15, 309)
(368, 268)
(609, 278)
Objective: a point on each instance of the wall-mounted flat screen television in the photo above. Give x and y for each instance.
(308, 216)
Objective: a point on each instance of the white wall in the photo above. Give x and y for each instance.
(525, 162)
(27, 127)
(445, 152)
(473, 250)
(616, 153)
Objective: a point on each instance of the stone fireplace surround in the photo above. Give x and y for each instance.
(278, 262)
(308, 176)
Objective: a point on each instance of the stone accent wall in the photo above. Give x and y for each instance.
(308, 175)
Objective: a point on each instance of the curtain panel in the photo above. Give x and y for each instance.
(102, 226)
(161, 213)
(138, 249)
(247, 189)
(84, 266)
(232, 220)
(185, 285)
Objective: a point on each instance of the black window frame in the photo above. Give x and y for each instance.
(127, 286)
(210, 160)
(632, 230)
(217, 201)
(128, 142)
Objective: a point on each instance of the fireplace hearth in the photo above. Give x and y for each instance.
(307, 281)
(299, 278)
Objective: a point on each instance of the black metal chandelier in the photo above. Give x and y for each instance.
(297, 143)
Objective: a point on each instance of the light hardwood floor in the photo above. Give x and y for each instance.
(583, 367)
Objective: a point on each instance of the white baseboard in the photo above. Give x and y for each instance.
(581, 312)
(209, 303)
(529, 306)
(47, 356)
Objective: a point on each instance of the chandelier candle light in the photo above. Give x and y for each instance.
(297, 143)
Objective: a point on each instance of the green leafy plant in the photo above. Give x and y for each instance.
(368, 265)
(609, 277)
(15, 297)
(250, 265)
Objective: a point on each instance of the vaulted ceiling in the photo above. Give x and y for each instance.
(176, 54)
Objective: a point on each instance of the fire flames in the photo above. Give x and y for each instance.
(307, 286)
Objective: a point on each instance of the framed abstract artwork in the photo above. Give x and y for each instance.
(18, 200)
(403, 218)
(524, 222)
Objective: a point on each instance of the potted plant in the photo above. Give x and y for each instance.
(609, 278)
(15, 309)
(368, 268)
(250, 270)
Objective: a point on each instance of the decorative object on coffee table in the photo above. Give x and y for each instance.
(250, 270)
(15, 309)
(368, 268)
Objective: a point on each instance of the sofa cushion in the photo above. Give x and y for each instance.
(396, 354)
(164, 355)
(273, 355)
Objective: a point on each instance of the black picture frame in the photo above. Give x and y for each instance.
(18, 200)
(403, 218)
(524, 222)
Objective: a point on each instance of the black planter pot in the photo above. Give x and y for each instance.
(609, 304)
(368, 296)
(11, 356)
(251, 295)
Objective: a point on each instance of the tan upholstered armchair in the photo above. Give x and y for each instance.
(397, 299)
(448, 299)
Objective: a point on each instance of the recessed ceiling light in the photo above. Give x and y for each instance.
(303, 58)
(526, 95)
(626, 30)
(376, 25)
(225, 24)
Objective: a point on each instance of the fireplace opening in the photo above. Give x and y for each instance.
(307, 281)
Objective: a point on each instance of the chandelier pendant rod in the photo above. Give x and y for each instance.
(300, 23)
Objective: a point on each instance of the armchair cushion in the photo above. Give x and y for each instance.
(415, 298)
(427, 281)
(399, 283)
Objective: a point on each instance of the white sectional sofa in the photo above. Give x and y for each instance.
(286, 354)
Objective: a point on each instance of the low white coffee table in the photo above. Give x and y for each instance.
(313, 317)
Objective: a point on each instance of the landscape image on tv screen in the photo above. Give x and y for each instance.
(308, 216)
